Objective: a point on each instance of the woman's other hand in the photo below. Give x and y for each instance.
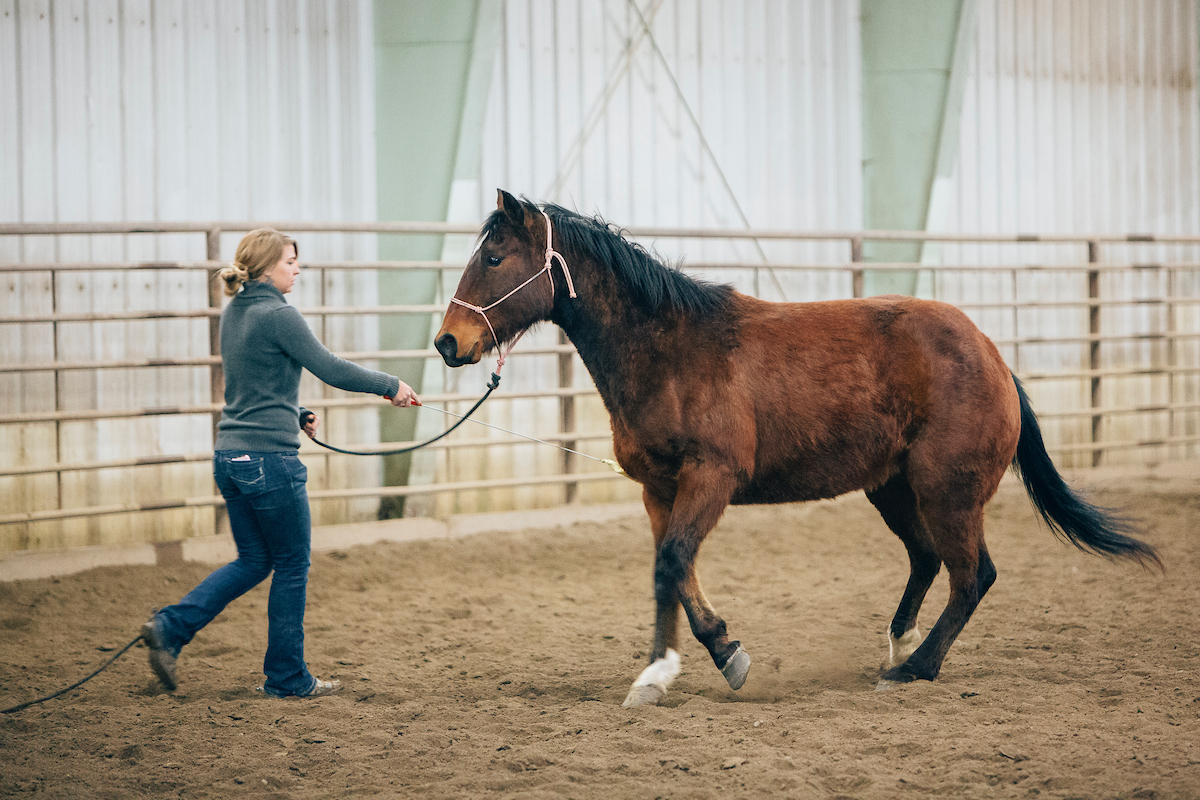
(405, 397)
(310, 427)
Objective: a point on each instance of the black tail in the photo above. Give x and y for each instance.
(1088, 527)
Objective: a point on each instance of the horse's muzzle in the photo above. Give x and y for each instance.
(447, 345)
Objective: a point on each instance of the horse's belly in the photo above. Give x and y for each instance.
(803, 484)
(816, 474)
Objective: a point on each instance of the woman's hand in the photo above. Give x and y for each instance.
(311, 426)
(405, 397)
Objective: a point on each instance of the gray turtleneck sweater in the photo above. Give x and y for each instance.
(264, 344)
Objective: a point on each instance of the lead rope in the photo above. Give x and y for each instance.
(75, 685)
(491, 387)
(613, 465)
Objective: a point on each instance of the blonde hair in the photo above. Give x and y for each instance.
(257, 252)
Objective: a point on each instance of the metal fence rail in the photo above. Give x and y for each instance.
(1179, 363)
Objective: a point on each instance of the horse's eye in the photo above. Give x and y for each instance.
(493, 261)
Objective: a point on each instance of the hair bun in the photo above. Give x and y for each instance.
(234, 276)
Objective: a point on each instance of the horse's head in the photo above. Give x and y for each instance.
(503, 290)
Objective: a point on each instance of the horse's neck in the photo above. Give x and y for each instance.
(614, 338)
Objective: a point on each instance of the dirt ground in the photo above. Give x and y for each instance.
(496, 665)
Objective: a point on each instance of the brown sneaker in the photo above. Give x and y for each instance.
(161, 659)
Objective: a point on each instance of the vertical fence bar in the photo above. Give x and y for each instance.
(326, 389)
(857, 276)
(1093, 251)
(58, 449)
(1016, 322)
(566, 416)
(1172, 358)
(216, 372)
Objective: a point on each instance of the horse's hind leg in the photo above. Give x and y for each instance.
(897, 505)
(957, 537)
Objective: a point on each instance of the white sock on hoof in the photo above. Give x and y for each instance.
(651, 685)
(899, 649)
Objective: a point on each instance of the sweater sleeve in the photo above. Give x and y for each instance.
(294, 338)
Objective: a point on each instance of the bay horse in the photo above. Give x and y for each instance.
(718, 398)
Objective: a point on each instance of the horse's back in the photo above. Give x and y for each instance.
(849, 392)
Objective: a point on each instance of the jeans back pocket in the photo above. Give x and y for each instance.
(247, 475)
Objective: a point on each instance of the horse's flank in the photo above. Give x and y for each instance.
(840, 392)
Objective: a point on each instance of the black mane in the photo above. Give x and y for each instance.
(653, 283)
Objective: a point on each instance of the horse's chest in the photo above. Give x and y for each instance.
(655, 455)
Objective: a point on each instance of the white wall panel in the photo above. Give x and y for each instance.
(590, 115)
(169, 110)
(742, 114)
(1079, 117)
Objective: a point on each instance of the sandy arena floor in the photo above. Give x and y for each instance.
(496, 665)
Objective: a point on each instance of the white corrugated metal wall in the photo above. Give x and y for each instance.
(167, 110)
(1078, 116)
(1081, 117)
(722, 114)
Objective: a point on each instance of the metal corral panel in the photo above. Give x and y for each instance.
(1081, 117)
(672, 113)
(167, 110)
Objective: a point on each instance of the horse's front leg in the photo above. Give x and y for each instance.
(651, 686)
(699, 503)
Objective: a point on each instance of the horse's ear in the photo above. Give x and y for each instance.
(511, 206)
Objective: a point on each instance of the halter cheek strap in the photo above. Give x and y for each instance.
(551, 254)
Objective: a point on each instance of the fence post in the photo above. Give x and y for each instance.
(566, 415)
(1016, 321)
(1172, 355)
(58, 438)
(216, 372)
(1093, 250)
(857, 276)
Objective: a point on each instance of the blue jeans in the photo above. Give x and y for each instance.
(268, 511)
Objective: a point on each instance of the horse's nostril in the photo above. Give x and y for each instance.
(447, 345)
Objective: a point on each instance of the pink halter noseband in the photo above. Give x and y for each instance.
(551, 254)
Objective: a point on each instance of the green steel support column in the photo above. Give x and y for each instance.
(422, 58)
(463, 206)
(908, 50)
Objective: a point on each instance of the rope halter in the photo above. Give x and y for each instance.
(551, 254)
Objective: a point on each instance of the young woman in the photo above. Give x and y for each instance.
(264, 344)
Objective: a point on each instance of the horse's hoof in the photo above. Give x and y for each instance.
(644, 696)
(651, 685)
(896, 676)
(736, 668)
